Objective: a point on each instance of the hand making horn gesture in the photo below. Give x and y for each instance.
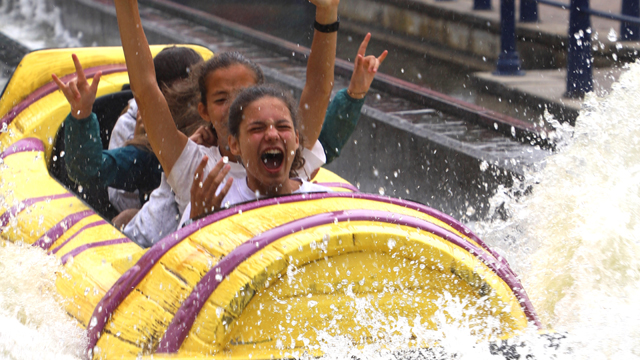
(78, 92)
(364, 70)
(205, 197)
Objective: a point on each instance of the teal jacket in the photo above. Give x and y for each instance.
(129, 168)
(339, 123)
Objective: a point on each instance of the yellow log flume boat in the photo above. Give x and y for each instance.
(258, 280)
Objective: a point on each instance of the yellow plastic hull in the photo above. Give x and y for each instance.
(255, 281)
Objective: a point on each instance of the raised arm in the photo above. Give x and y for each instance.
(344, 110)
(319, 83)
(167, 142)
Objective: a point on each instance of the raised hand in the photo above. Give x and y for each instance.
(204, 136)
(78, 92)
(325, 3)
(364, 70)
(203, 191)
(326, 11)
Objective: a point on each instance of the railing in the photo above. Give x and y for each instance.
(579, 59)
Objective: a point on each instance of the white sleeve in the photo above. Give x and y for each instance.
(313, 159)
(157, 218)
(123, 200)
(181, 176)
(124, 128)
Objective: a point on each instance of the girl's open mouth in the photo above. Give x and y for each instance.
(272, 159)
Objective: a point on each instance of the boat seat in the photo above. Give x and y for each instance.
(108, 109)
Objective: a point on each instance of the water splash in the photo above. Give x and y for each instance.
(33, 324)
(571, 228)
(457, 335)
(36, 23)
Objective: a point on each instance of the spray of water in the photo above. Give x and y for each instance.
(36, 23)
(33, 324)
(574, 234)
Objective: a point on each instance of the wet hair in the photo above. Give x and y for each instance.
(174, 63)
(224, 61)
(249, 95)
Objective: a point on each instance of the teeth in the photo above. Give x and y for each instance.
(273, 152)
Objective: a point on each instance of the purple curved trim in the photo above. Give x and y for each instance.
(58, 229)
(96, 223)
(16, 209)
(186, 315)
(50, 87)
(339, 185)
(23, 145)
(75, 252)
(129, 280)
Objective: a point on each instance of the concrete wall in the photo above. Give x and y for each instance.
(471, 34)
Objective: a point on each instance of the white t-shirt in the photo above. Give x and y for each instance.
(121, 133)
(181, 176)
(157, 218)
(239, 192)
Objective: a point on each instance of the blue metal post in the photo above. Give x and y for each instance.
(630, 32)
(579, 62)
(481, 4)
(528, 11)
(509, 60)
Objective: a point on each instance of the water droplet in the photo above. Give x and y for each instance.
(484, 166)
(612, 36)
(225, 159)
(381, 190)
(391, 243)
(312, 303)
(218, 277)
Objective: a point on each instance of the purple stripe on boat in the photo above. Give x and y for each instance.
(339, 185)
(50, 237)
(15, 210)
(50, 87)
(77, 251)
(186, 315)
(97, 223)
(24, 145)
(129, 280)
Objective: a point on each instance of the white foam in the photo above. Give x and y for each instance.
(35, 23)
(574, 238)
(33, 324)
